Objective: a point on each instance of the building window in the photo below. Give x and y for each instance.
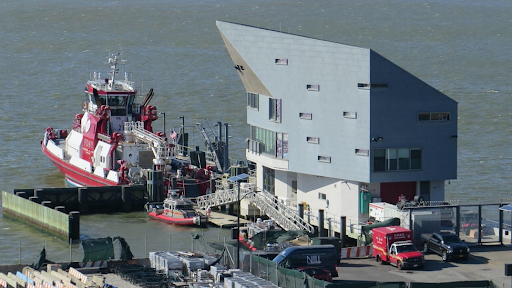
(282, 61)
(266, 138)
(274, 110)
(282, 145)
(415, 159)
(253, 100)
(434, 116)
(294, 187)
(306, 116)
(396, 159)
(325, 159)
(311, 87)
(268, 142)
(351, 115)
(314, 140)
(269, 177)
(362, 152)
(372, 86)
(322, 196)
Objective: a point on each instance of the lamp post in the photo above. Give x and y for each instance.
(163, 113)
(238, 179)
(182, 134)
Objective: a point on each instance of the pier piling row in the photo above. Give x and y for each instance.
(88, 200)
(58, 209)
(67, 225)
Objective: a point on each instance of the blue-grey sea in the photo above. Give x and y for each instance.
(48, 49)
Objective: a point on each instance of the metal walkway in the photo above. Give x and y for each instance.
(160, 148)
(268, 204)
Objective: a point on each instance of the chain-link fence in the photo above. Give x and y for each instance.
(256, 263)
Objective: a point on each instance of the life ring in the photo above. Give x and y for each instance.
(85, 105)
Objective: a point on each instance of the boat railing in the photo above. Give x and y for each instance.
(159, 145)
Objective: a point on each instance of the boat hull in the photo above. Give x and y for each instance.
(76, 176)
(170, 220)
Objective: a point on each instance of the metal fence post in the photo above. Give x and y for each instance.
(277, 278)
(268, 276)
(70, 251)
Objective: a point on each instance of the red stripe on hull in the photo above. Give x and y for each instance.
(77, 175)
(176, 221)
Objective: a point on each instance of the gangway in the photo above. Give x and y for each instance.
(158, 145)
(268, 204)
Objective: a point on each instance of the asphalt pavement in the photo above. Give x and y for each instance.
(484, 263)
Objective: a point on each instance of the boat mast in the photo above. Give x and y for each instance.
(113, 62)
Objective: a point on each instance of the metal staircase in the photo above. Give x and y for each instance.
(268, 204)
(160, 148)
(206, 129)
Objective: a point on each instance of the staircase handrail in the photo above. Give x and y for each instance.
(158, 144)
(266, 202)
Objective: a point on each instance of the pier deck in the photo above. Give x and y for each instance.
(224, 220)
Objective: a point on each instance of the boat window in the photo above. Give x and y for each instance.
(131, 98)
(103, 99)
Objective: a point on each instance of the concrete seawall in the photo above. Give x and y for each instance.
(67, 225)
(89, 200)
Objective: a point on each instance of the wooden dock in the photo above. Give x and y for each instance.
(224, 220)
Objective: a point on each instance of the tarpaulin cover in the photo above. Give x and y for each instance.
(40, 260)
(126, 253)
(366, 229)
(261, 239)
(98, 249)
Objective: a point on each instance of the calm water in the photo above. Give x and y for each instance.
(48, 48)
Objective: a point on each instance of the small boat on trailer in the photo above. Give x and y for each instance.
(176, 210)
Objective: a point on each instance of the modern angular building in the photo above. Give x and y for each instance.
(334, 126)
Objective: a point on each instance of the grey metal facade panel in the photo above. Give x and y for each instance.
(338, 69)
(394, 116)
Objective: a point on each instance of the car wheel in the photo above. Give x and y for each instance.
(425, 248)
(380, 260)
(399, 265)
(445, 256)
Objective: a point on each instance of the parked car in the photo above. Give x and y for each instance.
(446, 244)
(317, 273)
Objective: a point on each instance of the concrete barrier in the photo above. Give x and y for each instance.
(356, 252)
(42, 216)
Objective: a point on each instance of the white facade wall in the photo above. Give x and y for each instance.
(343, 198)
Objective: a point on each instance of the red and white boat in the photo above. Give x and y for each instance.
(176, 210)
(112, 140)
